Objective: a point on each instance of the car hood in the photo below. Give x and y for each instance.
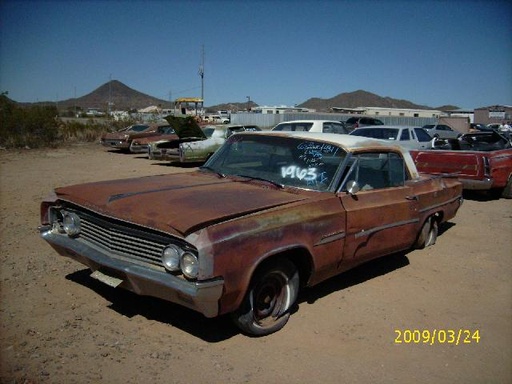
(185, 127)
(178, 203)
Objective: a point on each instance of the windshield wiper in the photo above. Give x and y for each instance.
(262, 179)
(206, 168)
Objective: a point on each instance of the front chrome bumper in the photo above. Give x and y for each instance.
(200, 296)
(115, 143)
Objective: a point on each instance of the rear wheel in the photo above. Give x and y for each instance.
(428, 233)
(507, 191)
(272, 293)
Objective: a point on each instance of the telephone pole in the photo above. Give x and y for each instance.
(201, 72)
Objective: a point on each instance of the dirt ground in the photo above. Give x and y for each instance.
(58, 325)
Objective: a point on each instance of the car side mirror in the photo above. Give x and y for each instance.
(353, 187)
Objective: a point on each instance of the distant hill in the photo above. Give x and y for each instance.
(123, 97)
(231, 107)
(359, 99)
(348, 100)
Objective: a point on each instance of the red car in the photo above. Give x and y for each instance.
(480, 160)
(268, 214)
(122, 139)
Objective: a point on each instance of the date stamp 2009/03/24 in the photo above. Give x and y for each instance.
(437, 336)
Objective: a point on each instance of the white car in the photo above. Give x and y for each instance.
(441, 131)
(325, 126)
(408, 137)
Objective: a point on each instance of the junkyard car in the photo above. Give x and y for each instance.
(408, 137)
(361, 121)
(122, 139)
(267, 214)
(141, 145)
(326, 126)
(480, 160)
(199, 148)
(441, 131)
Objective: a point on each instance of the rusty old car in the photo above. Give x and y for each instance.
(267, 214)
(141, 144)
(198, 147)
(123, 138)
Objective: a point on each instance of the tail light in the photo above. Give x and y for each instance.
(487, 167)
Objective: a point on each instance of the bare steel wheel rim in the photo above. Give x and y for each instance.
(270, 298)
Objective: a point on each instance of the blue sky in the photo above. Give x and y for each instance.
(276, 52)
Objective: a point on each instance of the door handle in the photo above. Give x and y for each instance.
(413, 197)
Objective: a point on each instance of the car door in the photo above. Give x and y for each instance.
(382, 217)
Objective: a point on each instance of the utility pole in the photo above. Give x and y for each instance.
(109, 96)
(201, 73)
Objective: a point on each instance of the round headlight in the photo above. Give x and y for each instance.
(189, 265)
(171, 258)
(71, 224)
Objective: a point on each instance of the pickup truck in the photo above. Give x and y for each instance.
(268, 214)
(480, 160)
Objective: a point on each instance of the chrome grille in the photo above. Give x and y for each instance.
(136, 245)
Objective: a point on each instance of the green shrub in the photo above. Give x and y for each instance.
(40, 126)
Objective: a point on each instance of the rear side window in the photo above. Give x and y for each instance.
(405, 135)
(298, 127)
(377, 133)
(422, 135)
(334, 128)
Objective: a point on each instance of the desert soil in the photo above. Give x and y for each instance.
(58, 325)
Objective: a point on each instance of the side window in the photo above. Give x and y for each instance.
(405, 135)
(338, 128)
(302, 127)
(327, 128)
(397, 174)
(422, 135)
(333, 128)
(284, 127)
(378, 170)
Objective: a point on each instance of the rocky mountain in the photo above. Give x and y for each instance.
(354, 99)
(123, 97)
(359, 99)
(120, 95)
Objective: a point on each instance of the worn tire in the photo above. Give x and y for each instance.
(271, 295)
(507, 191)
(428, 233)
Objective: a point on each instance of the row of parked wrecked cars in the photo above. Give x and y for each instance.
(475, 158)
(266, 214)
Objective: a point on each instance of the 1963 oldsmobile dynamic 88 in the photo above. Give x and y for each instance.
(267, 214)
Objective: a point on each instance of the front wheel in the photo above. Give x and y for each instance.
(266, 306)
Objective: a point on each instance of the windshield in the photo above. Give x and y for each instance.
(284, 161)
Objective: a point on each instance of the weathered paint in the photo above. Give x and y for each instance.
(235, 226)
(468, 166)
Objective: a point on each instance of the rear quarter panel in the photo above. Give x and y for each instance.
(501, 167)
(467, 164)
